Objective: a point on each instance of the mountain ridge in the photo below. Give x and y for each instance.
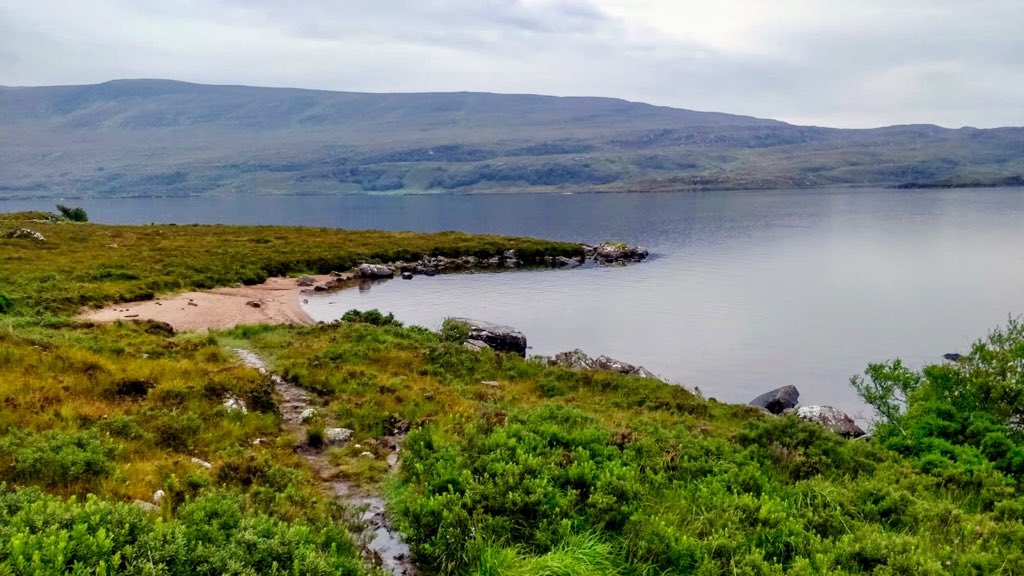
(154, 136)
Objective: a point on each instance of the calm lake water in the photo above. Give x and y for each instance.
(746, 291)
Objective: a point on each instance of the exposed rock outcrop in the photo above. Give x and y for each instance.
(777, 400)
(495, 336)
(834, 419)
(26, 234)
(578, 360)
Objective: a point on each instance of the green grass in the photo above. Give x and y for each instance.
(557, 472)
(552, 472)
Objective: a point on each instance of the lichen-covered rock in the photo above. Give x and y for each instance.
(832, 418)
(306, 280)
(578, 360)
(777, 400)
(337, 436)
(574, 359)
(26, 234)
(307, 415)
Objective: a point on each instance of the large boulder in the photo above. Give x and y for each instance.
(375, 271)
(777, 400)
(834, 419)
(498, 337)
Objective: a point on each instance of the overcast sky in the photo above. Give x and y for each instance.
(848, 63)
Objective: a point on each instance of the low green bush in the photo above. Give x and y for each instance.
(373, 317)
(216, 533)
(57, 458)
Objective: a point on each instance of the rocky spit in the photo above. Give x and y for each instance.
(606, 254)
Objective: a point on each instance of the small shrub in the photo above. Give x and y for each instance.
(176, 430)
(373, 317)
(454, 331)
(72, 214)
(5, 304)
(315, 435)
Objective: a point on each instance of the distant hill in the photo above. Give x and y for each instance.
(162, 137)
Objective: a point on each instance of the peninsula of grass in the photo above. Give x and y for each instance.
(549, 472)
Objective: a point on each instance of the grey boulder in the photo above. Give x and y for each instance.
(374, 271)
(337, 436)
(834, 419)
(777, 400)
(498, 337)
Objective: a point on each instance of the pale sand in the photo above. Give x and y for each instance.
(278, 300)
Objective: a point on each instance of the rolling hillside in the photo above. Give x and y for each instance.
(161, 137)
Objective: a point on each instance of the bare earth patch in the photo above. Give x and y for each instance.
(276, 301)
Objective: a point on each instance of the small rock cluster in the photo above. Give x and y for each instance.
(606, 254)
(784, 400)
(615, 254)
(25, 233)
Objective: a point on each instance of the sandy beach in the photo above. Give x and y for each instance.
(276, 301)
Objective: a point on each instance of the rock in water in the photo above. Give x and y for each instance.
(406, 275)
(952, 357)
(777, 400)
(498, 337)
(563, 262)
(375, 271)
(831, 418)
(608, 253)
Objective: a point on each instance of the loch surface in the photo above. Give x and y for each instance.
(746, 290)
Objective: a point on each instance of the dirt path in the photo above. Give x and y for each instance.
(276, 301)
(383, 546)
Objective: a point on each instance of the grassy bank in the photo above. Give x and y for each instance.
(549, 472)
(91, 265)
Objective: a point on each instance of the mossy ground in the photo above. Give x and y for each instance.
(550, 472)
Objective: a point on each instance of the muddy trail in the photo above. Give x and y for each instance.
(381, 543)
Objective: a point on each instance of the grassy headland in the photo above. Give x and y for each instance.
(550, 472)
